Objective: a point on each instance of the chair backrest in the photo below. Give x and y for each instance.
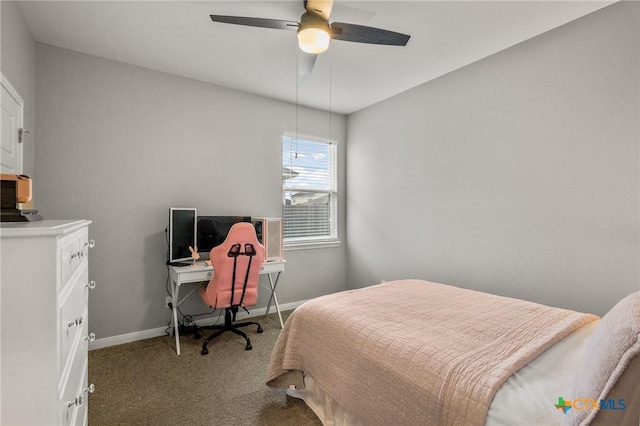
(240, 242)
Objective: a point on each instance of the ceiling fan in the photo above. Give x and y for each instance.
(315, 32)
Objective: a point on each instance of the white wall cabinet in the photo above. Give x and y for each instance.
(44, 284)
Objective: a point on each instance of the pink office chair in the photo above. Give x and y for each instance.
(236, 265)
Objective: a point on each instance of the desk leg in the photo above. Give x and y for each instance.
(274, 298)
(175, 288)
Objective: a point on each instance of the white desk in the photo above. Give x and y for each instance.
(200, 272)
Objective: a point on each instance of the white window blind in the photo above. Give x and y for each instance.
(309, 190)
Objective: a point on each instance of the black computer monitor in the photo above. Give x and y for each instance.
(182, 233)
(212, 231)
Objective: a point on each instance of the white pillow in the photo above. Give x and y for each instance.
(615, 345)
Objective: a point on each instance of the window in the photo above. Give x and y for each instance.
(310, 201)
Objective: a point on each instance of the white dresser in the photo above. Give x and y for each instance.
(44, 282)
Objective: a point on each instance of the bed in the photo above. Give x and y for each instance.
(413, 352)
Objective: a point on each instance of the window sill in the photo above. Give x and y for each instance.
(312, 245)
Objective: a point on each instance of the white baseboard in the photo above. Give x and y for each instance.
(162, 331)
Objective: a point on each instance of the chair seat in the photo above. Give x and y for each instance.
(221, 299)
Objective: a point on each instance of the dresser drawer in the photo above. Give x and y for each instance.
(73, 252)
(79, 332)
(196, 276)
(73, 314)
(74, 396)
(69, 258)
(81, 411)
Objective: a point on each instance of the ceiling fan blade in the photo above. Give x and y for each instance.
(319, 7)
(362, 34)
(256, 22)
(306, 61)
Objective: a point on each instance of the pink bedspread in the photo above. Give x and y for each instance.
(414, 352)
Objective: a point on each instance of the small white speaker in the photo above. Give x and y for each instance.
(269, 232)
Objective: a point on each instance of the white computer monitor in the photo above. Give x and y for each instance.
(182, 233)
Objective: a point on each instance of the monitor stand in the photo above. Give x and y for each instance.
(16, 215)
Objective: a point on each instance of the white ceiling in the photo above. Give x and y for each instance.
(178, 37)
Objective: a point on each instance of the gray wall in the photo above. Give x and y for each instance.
(516, 175)
(18, 66)
(120, 144)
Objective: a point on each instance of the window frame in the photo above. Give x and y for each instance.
(311, 242)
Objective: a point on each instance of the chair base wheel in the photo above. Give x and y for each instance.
(228, 326)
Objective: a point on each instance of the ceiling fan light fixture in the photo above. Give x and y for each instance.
(315, 33)
(313, 40)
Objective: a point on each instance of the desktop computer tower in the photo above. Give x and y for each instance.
(269, 232)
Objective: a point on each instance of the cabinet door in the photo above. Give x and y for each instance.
(11, 128)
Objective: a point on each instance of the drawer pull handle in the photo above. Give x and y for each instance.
(91, 285)
(86, 246)
(77, 255)
(90, 389)
(90, 338)
(79, 400)
(76, 322)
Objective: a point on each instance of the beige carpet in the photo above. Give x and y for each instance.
(146, 383)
